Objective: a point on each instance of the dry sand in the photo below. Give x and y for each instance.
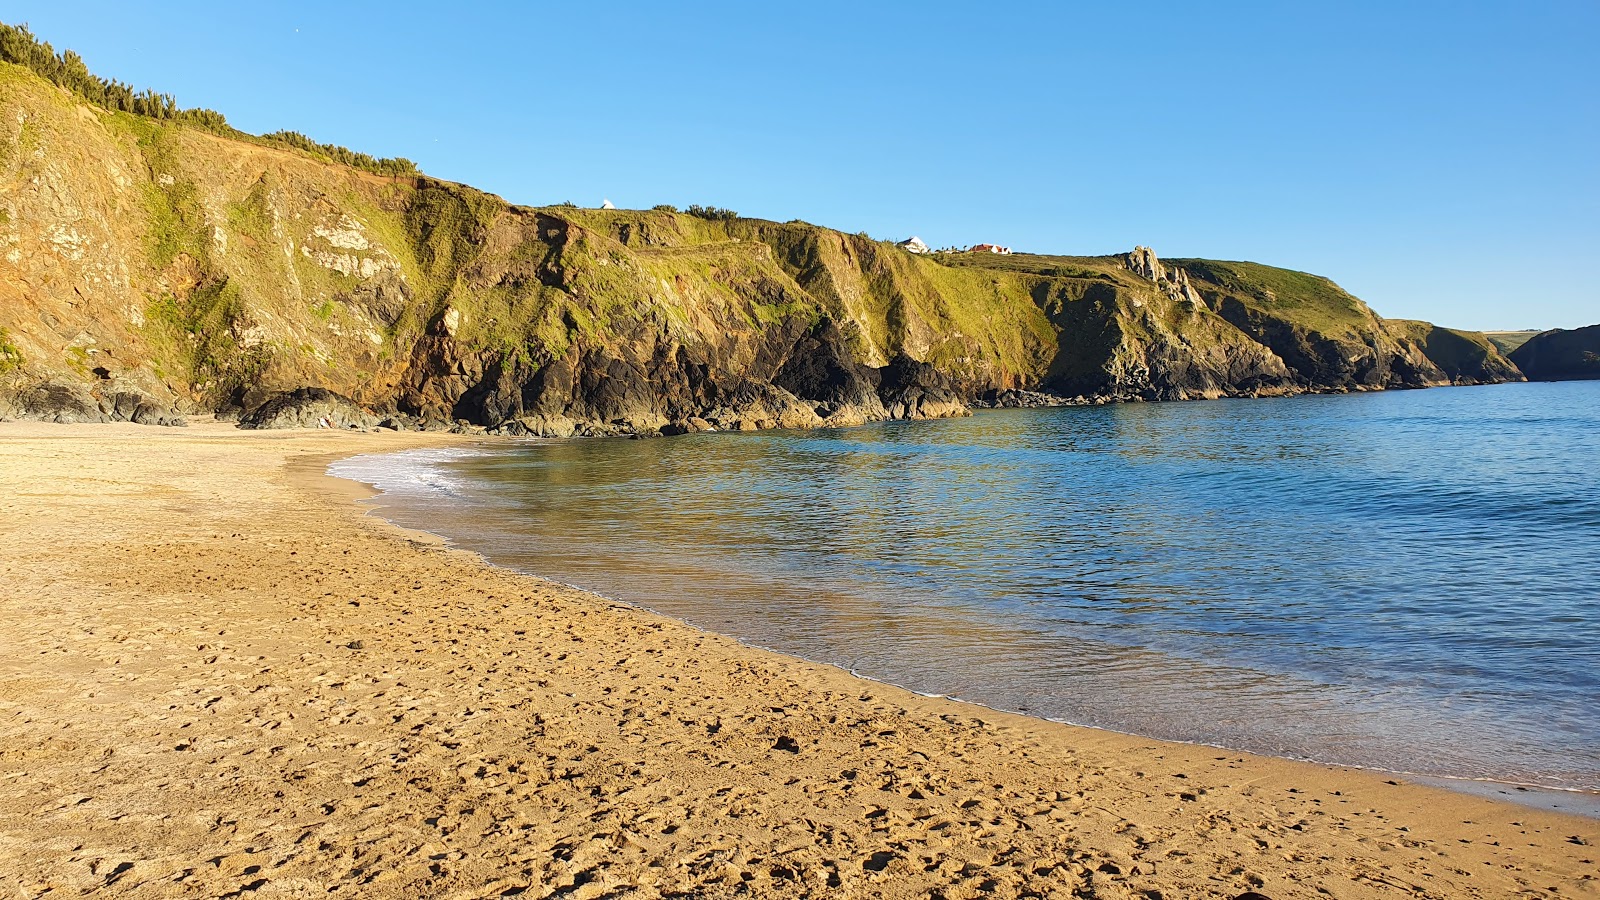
(217, 678)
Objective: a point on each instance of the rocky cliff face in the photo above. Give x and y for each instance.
(149, 266)
(1331, 341)
(1464, 357)
(1561, 355)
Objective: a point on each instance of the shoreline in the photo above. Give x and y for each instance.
(223, 674)
(1567, 800)
(1578, 801)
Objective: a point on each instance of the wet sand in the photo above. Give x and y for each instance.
(219, 678)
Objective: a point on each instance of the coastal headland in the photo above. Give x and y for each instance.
(156, 263)
(221, 678)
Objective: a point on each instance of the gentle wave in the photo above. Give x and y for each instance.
(423, 473)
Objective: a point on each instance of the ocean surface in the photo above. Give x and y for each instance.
(1407, 581)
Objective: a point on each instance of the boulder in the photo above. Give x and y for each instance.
(61, 403)
(753, 405)
(309, 407)
(537, 426)
(132, 406)
(912, 389)
(1021, 399)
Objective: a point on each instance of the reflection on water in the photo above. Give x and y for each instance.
(1399, 580)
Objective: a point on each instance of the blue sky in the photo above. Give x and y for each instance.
(1439, 160)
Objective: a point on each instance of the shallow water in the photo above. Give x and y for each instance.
(1407, 580)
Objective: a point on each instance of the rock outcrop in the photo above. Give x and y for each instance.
(309, 408)
(1174, 281)
(1561, 355)
(70, 403)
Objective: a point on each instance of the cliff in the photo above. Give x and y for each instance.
(1561, 355)
(150, 268)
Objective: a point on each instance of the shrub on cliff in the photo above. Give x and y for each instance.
(386, 166)
(713, 213)
(10, 356)
(67, 69)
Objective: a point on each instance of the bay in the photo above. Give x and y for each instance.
(1407, 581)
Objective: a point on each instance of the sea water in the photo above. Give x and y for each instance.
(1408, 581)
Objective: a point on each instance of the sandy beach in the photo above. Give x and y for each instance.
(220, 677)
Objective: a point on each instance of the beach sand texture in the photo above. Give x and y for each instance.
(217, 678)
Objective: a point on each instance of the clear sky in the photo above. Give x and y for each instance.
(1439, 160)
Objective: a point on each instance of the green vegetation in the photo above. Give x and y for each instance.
(447, 224)
(1278, 308)
(203, 331)
(252, 216)
(10, 356)
(1308, 300)
(172, 206)
(1104, 268)
(343, 155)
(67, 69)
(712, 213)
(1561, 354)
(1454, 352)
(168, 236)
(1507, 341)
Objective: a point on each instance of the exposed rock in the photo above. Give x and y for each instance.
(310, 407)
(537, 426)
(1017, 399)
(753, 406)
(131, 406)
(911, 389)
(61, 403)
(821, 370)
(67, 403)
(1180, 289)
(1561, 355)
(1174, 282)
(1115, 348)
(691, 425)
(1144, 263)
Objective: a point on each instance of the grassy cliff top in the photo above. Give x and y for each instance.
(67, 70)
(1508, 341)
